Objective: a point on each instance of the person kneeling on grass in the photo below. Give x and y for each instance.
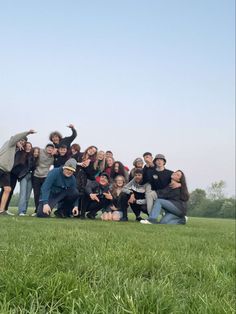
(59, 189)
(172, 200)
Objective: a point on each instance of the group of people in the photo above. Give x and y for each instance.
(80, 184)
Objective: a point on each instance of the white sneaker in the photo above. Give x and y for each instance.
(145, 222)
(34, 214)
(9, 213)
(22, 214)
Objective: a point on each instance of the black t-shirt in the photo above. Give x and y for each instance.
(160, 179)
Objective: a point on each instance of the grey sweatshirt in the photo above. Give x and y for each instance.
(138, 189)
(44, 163)
(8, 150)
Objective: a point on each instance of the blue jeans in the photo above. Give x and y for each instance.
(25, 191)
(173, 215)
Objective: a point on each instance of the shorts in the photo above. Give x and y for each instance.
(5, 179)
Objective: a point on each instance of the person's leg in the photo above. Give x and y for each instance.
(155, 212)
(28, 191)
(54, 199)
(172, 219)
(116, 215)
(71, 197)
(13, 181)
(22, 196)
(6, 190)
(150, 196)
(169, 207)
(137, 210)
(93, 208)
(37, 183)
(123, 205)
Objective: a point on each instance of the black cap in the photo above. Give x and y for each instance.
(104, 174)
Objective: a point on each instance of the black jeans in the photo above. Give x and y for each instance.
(93, 206)
(65, 199)
(36, 184)
(136, 208)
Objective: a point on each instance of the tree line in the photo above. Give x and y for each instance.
(211, 203)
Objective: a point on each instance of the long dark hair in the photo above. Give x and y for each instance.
(184, 194)
(85, 155)
(121, 170)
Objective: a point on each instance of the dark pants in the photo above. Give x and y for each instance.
(93, 206)
(36, 184)
(136, 208)
(65, 200)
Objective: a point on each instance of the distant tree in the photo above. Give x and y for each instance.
(216, 190)
(196, 197)
(228, 208)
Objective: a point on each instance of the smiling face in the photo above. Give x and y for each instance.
(103, 180)
(36, 152)
(139, 164)
(148, 159)
(62, 151)
(116, 167)
(100, 155)
(28, 147)
(92, 150)
(120, 181)
(138, 177)
(176, 176)
(55, 139)
(109, 161)
(67, 172)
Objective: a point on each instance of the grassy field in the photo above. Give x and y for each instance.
(75, 266)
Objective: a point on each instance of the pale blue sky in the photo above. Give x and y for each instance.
(133, 76)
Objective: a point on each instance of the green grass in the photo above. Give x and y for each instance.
(74, 266)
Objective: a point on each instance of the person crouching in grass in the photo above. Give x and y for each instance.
(59, 188)
(134, 195)
(100, 197)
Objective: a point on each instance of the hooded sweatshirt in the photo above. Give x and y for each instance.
(8, 150)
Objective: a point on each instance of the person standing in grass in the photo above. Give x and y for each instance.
(172, 200)
(44, 163)
(57, 139)
(59, 189)
(25, 177)
(7, 155)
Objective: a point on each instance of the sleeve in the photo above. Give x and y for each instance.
(90, 186)
(141, 202)
(46, 187)
(69, 139)
(127, 188)
(16, 138)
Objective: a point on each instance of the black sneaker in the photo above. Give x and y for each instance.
(59, 214)
(90, 216)
(124, 219)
